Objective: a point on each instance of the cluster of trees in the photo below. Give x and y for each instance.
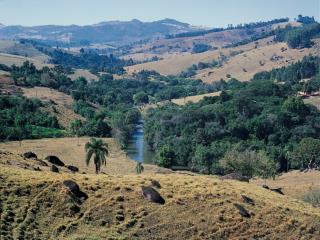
(22, 118)
(298, 37)
(28, 75)
(117, 107)
(230, 26)
(88, 60)
(306, 68)
(259, 120)
(192, 71)
(201, 47)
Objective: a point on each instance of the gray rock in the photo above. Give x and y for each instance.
(152, 195)
(243, 212)
(55, 160)
(54, 168)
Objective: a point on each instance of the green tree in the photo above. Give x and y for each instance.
(249, 163)
(140, 98)
(139, 168)
(306, 154)
(165, 156)
(97, 149)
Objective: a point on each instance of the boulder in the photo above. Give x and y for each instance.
(152, 195)
(277, 190)
(30, 155)
(155, 184)
(248, 200)
(243, 212)
(72, 168)
(54, 168)
(235, 176)
(55, 160)
(74, 190)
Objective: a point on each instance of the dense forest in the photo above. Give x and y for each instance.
(22, 118)
(263, 119)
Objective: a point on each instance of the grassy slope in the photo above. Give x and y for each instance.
(68, 150)
(36, 205)
(61, 108)
(248, 60)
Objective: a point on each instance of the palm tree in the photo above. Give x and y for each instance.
(97, 149)
(139, 168)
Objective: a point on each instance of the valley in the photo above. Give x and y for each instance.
(160, 130)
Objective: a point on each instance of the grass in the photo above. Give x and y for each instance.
(56, 103)
(36, 205)
(313, 197)
(242, 66)
(68, 150)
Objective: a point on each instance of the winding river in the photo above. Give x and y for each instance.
(137, 148)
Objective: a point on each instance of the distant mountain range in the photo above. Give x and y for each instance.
(112, 32)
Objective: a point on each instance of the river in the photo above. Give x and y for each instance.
(137, 148)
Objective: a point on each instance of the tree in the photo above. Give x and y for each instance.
(248, 163)
(165, 156)
(306, 154)
(140, 98)
(97, 149)
(139, 168)
(76, 127)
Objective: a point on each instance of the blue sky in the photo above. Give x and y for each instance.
(211, 13)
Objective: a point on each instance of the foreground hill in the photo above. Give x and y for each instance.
(37, 205)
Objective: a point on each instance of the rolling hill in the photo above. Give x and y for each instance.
(241, 62)
(36, 204)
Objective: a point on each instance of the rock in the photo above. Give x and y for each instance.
(73, 168)
(235, 176)
(120, 198)
(152, 195)
(54, 168)
(277, 190)
(41, 163)
(155, 184)
(30, 155)
(243, 212)
(74, 189)
(248, 200)
(55, 160)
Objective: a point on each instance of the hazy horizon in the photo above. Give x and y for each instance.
(200, 13)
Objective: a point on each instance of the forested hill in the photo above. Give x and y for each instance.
(256, 128)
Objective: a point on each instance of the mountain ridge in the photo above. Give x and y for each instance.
(116, 32)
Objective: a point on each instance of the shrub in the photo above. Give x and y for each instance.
(313, 197)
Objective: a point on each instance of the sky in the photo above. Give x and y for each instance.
(210, 13)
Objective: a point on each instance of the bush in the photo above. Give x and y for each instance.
(313, 197)
(248, 163)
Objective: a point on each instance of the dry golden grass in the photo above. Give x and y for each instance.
(242, 66)
(68, 150)
(83, 73)
(9, 59)
(194, 99)
(294, 183)
(61, 108)
(314, 100)
(36, 205)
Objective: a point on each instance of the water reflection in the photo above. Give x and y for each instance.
(137, 148)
